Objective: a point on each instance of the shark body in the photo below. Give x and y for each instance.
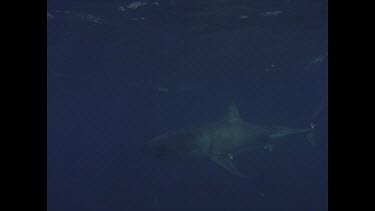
(219, 141)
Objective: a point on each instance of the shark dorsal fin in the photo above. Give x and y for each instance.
(233, 114)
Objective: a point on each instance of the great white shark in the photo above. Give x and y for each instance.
(220, 141)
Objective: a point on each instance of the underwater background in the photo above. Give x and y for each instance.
(122, 72)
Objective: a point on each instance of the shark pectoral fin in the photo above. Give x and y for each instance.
(226, 162)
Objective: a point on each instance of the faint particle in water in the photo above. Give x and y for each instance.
(78, 16)
(319, 59)
(244, 17)
(136, 5)
(316, 61)
(271, 13)
(94, 19)
(270, 69)
(122, 8)
(137, 19)
(261, 196)
(312, 125)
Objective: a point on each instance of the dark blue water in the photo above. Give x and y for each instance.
(121, 73)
